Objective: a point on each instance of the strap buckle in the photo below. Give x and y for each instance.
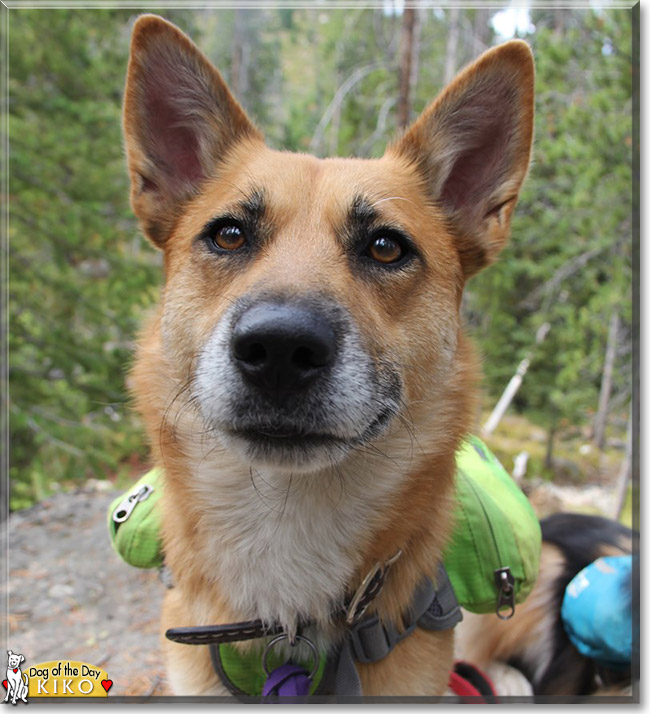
(372, 639)
(370, 587)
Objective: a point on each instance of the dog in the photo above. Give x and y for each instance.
(16, 685)
(531, 654)
(305, 382)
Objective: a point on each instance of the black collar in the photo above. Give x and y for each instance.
(353, 609)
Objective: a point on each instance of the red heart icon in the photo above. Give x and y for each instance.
(107, 684)
(4, 683)
(15, 670)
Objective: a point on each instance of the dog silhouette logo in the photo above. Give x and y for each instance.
(16, 682)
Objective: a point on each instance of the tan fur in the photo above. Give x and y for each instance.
(410, 318)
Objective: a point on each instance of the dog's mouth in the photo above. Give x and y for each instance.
(286, 438)
(283, 444)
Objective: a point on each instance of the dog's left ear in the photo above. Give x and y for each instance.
(472, 147)
(22, 658)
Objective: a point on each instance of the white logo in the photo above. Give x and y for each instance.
(16, 685)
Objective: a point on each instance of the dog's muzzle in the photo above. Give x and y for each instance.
(289, 382)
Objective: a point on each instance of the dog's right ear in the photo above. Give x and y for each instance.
(179, 120)
(472, 147)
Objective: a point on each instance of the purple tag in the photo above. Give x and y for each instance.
(288, 680)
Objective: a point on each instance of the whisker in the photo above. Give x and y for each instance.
(391, 198)
(284, 505)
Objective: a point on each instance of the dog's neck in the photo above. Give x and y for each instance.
(282, 547)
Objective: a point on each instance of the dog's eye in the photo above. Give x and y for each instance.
(385, 249)
(229, 238)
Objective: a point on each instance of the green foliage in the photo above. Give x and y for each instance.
(80, 275)
(575, 210)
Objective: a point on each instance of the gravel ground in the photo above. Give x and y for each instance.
(71, 597)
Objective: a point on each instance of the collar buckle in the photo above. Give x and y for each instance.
(370, 587)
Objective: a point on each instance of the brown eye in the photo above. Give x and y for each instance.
(385, 249)
(229, 238)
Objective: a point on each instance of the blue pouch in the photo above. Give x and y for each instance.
(597, 611)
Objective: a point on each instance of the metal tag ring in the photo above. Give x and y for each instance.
(297, 638)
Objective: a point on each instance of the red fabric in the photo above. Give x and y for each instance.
(463, 687)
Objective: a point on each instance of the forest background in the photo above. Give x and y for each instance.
(559, 303)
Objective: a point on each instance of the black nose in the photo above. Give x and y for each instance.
(279, 347)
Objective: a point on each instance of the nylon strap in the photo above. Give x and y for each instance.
(254, 629)
(218, 634)
(370, 640)
(432, 608)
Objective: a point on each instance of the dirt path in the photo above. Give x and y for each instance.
(71, 597)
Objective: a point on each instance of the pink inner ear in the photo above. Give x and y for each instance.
(481, 128)
(171, 135)
(177, 146)
(476, 172)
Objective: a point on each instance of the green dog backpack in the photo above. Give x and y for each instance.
(134, 522)
(492, 558)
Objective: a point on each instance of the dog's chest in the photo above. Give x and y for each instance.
(280, 547)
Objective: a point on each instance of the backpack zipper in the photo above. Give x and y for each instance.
(124, 510)
(503, 579)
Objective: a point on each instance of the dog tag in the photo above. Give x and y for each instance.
(287, 680)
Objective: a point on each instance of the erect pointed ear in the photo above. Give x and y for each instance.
(472, 147)
(179, 120)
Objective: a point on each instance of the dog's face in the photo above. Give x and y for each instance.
(309, 304)
(297, 274)
(14, 660)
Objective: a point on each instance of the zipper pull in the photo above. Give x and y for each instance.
(124, 510)
(505, 583)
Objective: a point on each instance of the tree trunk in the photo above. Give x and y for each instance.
(548, 459)
(335, 126)
(415, 55)
(405, 68)
(240, 57)
(625, 473)
(606, 383)
(451, 54)
(481, 30)
(507, 396)
(514, 384)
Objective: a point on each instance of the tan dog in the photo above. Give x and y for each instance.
(305, 382)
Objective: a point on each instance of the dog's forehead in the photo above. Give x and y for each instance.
(299, 186)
